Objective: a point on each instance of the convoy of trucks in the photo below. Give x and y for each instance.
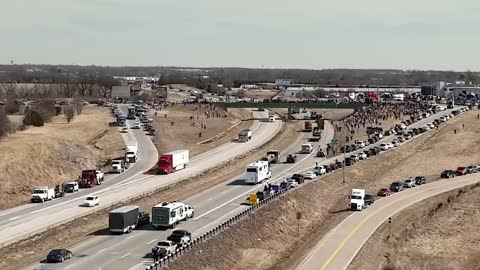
(169, 214)
(257, 172)
(90, 178)
(173, 161)
(245, 135)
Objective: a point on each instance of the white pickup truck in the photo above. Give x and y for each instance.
(43, 193)
(166, 247)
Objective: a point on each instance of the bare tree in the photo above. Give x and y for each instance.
(69, 112)
(9, 89)
(5, 126)
(105, 84)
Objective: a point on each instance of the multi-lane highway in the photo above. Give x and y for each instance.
(22, 221)
(339, 247)
(212, 207)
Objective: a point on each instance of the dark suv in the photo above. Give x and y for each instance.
(420, 180)
(396, 186)
(180, 237)
(299, 178)
(369, 199)
(448, 174)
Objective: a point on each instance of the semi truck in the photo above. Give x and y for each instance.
(119, 165)
(257, 172)
(272, 156)
(90, 178)
(123, 219)
(357, 200)
(121, 120)
(173, 161)
(131, 113)
(42, 193)
(307, 148)
(245, 135)
(131, 152)
(169, 214)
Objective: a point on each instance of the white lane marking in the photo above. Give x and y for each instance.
(236, 209)
(130, 236)
(125, 255)
(13, 218)
(102, 250)
(140, 265)
(151, 242)
(69, 266)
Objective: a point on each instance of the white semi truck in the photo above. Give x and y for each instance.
(257, 172)
(357, 200)
(131, 152)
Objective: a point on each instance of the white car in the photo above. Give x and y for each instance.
(409, 183)
(124, 130)
(355, 158)
(384, 147)
(292, 183)
(91, 201)
(137, 125)
(71, 187)
(360, 144)
(430, 125)
(395, 143)
(362, 155)
(310, 175)
(426, 127)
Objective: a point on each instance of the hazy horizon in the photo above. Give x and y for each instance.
(306, 34)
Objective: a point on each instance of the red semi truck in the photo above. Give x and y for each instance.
(173, 161)
(90, 178)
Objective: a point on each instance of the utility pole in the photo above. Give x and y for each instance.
(344, 155)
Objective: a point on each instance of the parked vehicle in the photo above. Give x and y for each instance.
(461, 171)
(59, 191)
(143, 218)
(409, 183)
(166, 248)
(298, 177)
(131, 152)
(292, 158)
(257, 172)
(307, 148)
(357, 200)
(272, 156)
(173, 161)
(59, 255)
(71, 187)
(169, 214)
(396, 186)
(152, 132)
(472, 169)
(448, 174)
(123, 219)
(384, 146)
(292, 183)
(180, 237)
(320, 170)
(42, 194)
(90, 178)
(310, 175)
(369, 199)
(124, 130)
(349, 161)
(384, 192)
(317, 132)
(245, 135)
(420, 180)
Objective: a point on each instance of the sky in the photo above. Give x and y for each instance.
(310, 34)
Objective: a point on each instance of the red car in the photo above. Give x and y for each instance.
(461, 171)
(384, 192)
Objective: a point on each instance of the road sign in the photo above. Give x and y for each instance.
(252, 199)
(334, 142)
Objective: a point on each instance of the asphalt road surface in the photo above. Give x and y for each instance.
(21, 222)
(212, 207)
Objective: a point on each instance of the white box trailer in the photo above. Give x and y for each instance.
(257, 172)
(169, 214)
(131, 152)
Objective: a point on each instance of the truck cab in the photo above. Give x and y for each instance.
(118, 165)
(245, 135)
(357, 200)
(131, 153)
(42, 194)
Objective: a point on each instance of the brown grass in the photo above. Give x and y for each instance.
(55, 153)
(273, 237)
(184, 134)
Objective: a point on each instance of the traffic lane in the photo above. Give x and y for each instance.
(340, 245)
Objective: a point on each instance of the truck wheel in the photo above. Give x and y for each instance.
(129, 230)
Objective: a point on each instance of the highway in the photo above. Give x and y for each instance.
(339, 247)
(212, 207)
(21, 222)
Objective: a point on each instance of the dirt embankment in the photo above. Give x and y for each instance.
(438, 233)
(27, 251)
(189, 120)
(55, 153)
(273, 235)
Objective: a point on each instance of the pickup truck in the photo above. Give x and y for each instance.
(166, 247)
(180, 237)
(292, 158)
(43, 193)
(299, 178)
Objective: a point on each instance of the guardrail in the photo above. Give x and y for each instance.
(165, 261)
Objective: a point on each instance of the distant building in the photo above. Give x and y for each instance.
(443, 89)
(284, 83)
(122, 91)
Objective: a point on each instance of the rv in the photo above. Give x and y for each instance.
(169, 214)
(257, 172)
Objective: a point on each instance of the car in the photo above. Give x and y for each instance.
(384, 192)
(91, 201)
(369, 199)
(59, 255)
(124, 130)
(472, 169)
(292, 183)
(420, 180)
(431, 125)
(298, 177)
(384, 146)
(137, 125)
(310, 175)
(362, 155)
(180, 237)
(396, 186)
(395, 143)
(461, 171)
(349, 161)
(355, 158)
(320, 170)
(71, 187)
(143, 218)
(409, 183)
(360, 144)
